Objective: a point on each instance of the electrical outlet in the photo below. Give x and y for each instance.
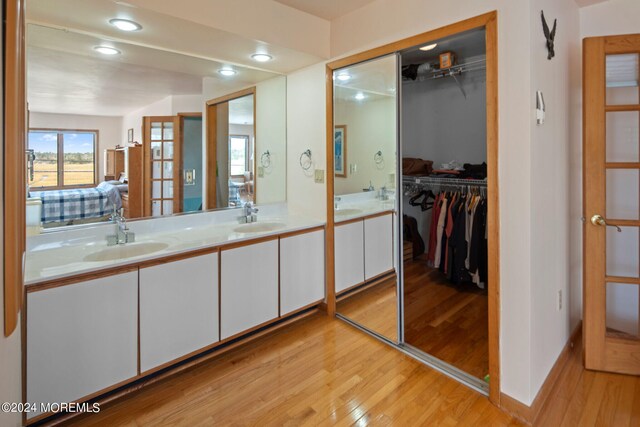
(260, 172)
(319, 176)
(560, 300)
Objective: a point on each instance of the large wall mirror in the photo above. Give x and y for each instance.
(365, 147)
(116, 123)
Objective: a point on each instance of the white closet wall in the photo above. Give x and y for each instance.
(439, 124)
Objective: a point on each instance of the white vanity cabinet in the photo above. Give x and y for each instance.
(81, 338)
(248, 287)
(378, 245)
(349, 255)
(178, 309)
(302, 270)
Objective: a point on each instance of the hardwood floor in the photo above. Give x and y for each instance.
(319, 371)
(449, 322)
(589, 398)
(375, 308)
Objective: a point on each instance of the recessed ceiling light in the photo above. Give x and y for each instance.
(359, 96)
(343, 77)
(125, 24)
(227, 72)
(107, 50)
(429, 47)
(261, 57)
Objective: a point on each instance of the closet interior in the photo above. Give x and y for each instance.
(444, 203)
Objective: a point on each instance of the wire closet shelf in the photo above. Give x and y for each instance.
(420, 182)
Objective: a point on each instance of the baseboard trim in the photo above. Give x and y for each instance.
(529, 414)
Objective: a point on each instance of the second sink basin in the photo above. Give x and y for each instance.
(125, 251)
(258, 227)
(345, 212)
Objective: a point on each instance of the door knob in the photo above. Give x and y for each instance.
(599, 220)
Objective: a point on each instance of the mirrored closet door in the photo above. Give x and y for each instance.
(365, 207)
(411, 201)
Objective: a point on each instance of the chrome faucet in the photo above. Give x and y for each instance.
(123, 235)
(249, 214)
(384, 193)
(371, 187)
(336, 199)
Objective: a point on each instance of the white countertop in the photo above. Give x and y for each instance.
(357, 207)
(54, 259)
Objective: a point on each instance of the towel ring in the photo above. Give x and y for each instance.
(378, 158)
(305, 164)
(265, 159)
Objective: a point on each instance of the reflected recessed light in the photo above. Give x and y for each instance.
(359, 96)
(125, 24)
(344, 77)
(107, 50)
(429, 47)
(227, 72)
(261, 57)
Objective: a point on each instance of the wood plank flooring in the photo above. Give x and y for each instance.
(589, 398)
(319, 371)
(449, 322)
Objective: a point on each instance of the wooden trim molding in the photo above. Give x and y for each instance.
(488, 21)
(14, 188)
(530, 414)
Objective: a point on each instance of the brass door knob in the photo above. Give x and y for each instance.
(599, 220)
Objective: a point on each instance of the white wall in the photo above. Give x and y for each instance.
(271, 129)
(133, 120)
(306, 129)
(440, 124)
(610, 18)
(10, 348)
(371, 127)
(385, 21)
(555, 226)
(109, 128)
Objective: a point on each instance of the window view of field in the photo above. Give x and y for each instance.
(74, 156)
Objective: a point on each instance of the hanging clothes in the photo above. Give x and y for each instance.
(457, 244)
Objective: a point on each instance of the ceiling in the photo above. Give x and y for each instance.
(465, 45)
(66, 75)
(326, 9)
(374, 79)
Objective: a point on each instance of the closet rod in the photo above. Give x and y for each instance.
(427, 181)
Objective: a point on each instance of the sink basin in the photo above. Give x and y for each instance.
(346, 212)
(125, 251)
(257, 227)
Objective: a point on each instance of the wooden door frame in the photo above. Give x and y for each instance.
(211, 110)
(489, 22)
(13, 158)
(604, 352)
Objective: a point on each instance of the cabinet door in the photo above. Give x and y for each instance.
(178, 309)
(81, 338)
(249, 287)
(378, 245)
(301, 270)
(349, 255)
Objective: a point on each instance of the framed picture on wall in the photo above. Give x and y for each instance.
(340, 150)
(130, 136)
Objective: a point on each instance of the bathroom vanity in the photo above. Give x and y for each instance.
(101, 317)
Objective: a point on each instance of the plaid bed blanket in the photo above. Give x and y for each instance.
(68, 205)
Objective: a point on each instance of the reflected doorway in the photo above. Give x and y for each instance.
(231, 160)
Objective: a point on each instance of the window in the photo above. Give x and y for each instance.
(63, 158)
(238, 154)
